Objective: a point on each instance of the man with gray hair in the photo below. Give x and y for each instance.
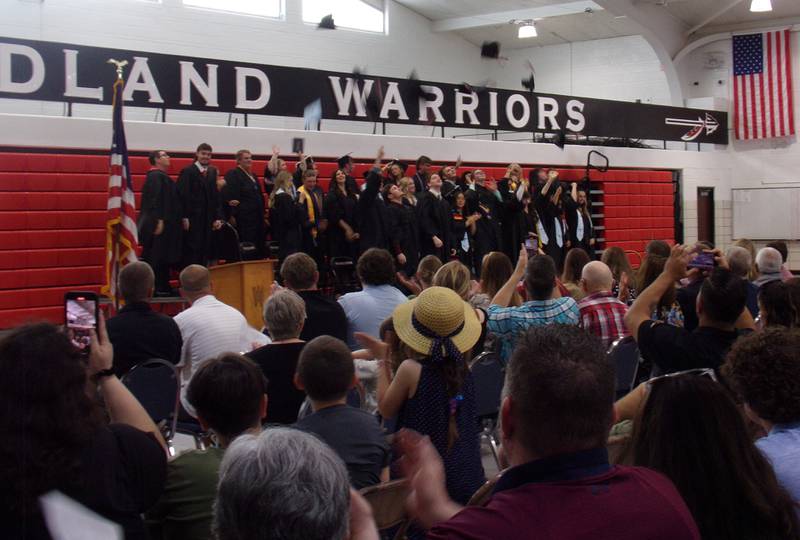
(209, 327)
(283, 484)
(602, 313)
(740, 261)
(137, 332)
(768, 262)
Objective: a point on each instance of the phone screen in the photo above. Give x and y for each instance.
(531, 246)
(298, 145)
(704, 261)
(81, 316)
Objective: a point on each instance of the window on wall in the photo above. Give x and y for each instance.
(263, 8)
(365, 15)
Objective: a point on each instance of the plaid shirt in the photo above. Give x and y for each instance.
(603, 315)
(508, 323)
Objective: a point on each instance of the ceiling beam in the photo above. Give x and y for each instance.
(714, 16)
(502, 17)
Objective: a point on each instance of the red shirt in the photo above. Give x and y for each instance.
(603, 315)
(575, 496)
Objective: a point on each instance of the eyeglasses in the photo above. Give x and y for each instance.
(708, 373)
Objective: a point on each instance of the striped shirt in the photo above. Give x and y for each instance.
(510, 322)
(210, 328)
(603, 315)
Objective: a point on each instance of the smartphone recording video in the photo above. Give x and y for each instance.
(703, 261)
(531, 246)
(80, 310)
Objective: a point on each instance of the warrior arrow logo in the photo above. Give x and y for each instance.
(710, 124)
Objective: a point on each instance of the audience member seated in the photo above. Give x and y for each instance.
(690, 430)
(659, 248)
(720, 307)
(496, 268)
(456, 277)
(56, 436)
(740, 263)
(686, 295)
(668, 309)
(764, 370)
(750, 246)
(602, 313)
(137, 332)
(366, 309)
(768, 262)
(209, 327)
(508, 323)
(555, 419)
(573, 270)
(326, 373)
(324, 316)
(617, 260)
(434, 394)
(775, 305)
(284, 315)
(421, 280)
(229, 395)
(783, 249)
(285, 483)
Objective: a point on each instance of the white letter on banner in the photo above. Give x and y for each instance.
(469, 108)
(523, 120)
(141, 79)
(190, 77)
(548, 109)
(7, 52)
(493, 108)
(577, 121)
(71, 87)
(433, 105)
(393, 102)
(242, 74)
(351, 93)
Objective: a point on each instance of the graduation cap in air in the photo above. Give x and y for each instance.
(312, 114)
(529, 83)
(344, 160)
(402, 164)
(326, 23)
(560, 139)
(479, 88)
(490, 49)
(413, 88)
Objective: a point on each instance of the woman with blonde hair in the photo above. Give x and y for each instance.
(285, 216)
(409, 191)
(456, 277)
(748, 244)
(496, 268)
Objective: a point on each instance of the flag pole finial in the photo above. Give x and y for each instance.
(120, 64)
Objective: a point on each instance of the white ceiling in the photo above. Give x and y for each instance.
(482, 20)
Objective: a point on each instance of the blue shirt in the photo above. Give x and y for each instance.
(782, 447)
(367, 309)
(508, 323)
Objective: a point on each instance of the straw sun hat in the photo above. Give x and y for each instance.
(437, 312)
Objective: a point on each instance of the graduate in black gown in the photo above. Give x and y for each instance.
(274, 166)
(550, 206)
(159, 224)
(512, 187)
(579, 220)
(463, 229)
(198, 190)
(345, 164)
(403, 230)
(484, 200)
(340, 210)
(244, 202)
(420, 178)
(286, 216)
(394, 171)
(371, 210)
(434, 213)
(315, 224)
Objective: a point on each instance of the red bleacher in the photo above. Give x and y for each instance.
(52, 215)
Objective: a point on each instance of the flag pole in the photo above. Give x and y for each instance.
(119, 64)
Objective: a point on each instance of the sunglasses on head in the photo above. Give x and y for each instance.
(708, 373)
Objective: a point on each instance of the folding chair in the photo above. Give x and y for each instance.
(624, 353)
(155, 385)
(388, 502)
(480, 497)
(226, 241)
(344, 275)
(489, 374)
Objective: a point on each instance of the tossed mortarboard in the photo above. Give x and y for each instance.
(529, 83)
(560, 139)
(413, 88)
(490, 49)
(344, 160)
(312, 114)
(326, 23)
(479, 88)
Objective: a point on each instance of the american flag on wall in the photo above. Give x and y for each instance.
(762, 85)
(121, 237)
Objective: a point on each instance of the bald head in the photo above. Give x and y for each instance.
(597, 277)
(769, 261)
(195, 281)
(739, 260)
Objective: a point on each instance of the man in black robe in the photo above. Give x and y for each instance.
(513, 221)
(314, 221)
(160, 222)
(345, 163)
(371, 211)
(244, 202)
(420, 178)
(484, 199)
(435, 221)
(202, 211)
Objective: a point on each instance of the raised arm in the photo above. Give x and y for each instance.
(506, 292)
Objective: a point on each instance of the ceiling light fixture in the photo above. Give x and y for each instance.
(527, 29)
(760, 6)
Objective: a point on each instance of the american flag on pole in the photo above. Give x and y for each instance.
(762, 85)
(121, 238)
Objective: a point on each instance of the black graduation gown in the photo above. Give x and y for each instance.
(572, 224)
(200, 202)
(160, 202)
(512, 218)
(286, 218)
(488, 234)
(420, 183)
(435, 221)
(403, 231)
(312, 235)
(249, 214)
(371, 215)
(341, 207)
(550, 216)
(458, 227)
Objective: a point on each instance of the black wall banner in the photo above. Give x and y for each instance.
(48, 71)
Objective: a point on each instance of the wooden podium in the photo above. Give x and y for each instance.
(244, 285)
